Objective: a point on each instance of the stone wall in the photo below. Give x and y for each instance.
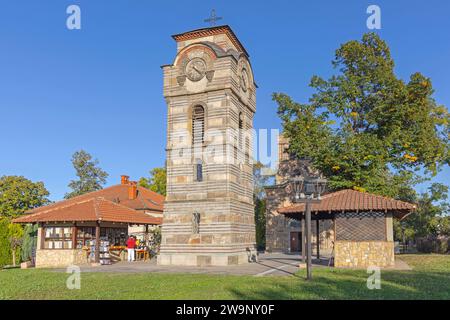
(362, 254)
(59, 258)
(278, 227)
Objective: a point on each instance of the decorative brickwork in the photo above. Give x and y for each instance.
(208, 174)
(279, 227)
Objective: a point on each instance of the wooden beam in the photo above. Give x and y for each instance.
(97, 242)
(308, 241)
(318, 238)
(74, 236)
(303, 241)
(42, 244)
(146, 235)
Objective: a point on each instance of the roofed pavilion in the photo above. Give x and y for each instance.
(362, 223)
(68, 228)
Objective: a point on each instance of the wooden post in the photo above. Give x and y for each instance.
(42, 244)
(318, 238)
(303, 241)
(308, 241)
(146, 235)
(97, 242)
(74, 236)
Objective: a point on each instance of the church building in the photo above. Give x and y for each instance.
(349, 228)
(211, 101)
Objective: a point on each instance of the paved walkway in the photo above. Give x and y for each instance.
(268, 265)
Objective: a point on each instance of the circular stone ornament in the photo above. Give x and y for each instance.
(244, 80)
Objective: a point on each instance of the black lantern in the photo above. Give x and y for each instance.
(308, 190)
(298, 183)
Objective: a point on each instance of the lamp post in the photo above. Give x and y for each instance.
(308, 191)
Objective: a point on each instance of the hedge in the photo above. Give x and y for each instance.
(29, 241)
(5, 245)
(433, 245)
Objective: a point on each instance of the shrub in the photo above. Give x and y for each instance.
(29, 241)
(5, 249)
(425, 245)
(8, 230)
(433, 245)
(442, 245)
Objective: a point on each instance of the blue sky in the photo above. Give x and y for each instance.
(100, 88)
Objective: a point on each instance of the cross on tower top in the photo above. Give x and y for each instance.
(213, 18)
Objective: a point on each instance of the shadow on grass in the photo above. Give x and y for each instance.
(340, 285)
(322, 262)
(278, 269)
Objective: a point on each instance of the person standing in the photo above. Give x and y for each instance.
(131, 244)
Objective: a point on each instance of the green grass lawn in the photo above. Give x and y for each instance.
(429, 279)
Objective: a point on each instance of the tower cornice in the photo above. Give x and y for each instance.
(211, 31)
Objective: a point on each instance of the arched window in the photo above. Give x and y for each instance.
(240, 134)
(198, 170)
(247, 150)
(241, 121)
(198, 125)
(241, 128)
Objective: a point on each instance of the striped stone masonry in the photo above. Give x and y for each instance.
(209, 212)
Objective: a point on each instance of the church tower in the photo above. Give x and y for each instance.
(211, 100)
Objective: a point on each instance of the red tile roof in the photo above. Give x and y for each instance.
(351, 200)
(211, 31)
(110, 204)
(145, 200)
(91, 209)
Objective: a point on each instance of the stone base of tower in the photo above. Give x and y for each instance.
(225, 234)
(207, 259)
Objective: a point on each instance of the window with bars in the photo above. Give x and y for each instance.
(198, 125)
(241, 127)
(247, 150)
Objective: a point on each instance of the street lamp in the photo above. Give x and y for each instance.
(308, 191)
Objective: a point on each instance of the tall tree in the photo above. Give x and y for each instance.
(15, 234)
(260, 181)
(364, 128)
(18, 195)
(156, 182)
(90, 176)
(431, 217)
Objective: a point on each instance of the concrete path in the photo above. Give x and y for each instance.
(268, 265)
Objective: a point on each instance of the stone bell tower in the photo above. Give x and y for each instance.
(211, 100)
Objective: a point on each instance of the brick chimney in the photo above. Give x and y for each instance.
(132, 190)
(124, 179)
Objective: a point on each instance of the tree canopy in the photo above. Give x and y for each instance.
(260, 181)
(431, 218)
(156, 182)
(364, 127)
(90, 176)
(19, 195)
